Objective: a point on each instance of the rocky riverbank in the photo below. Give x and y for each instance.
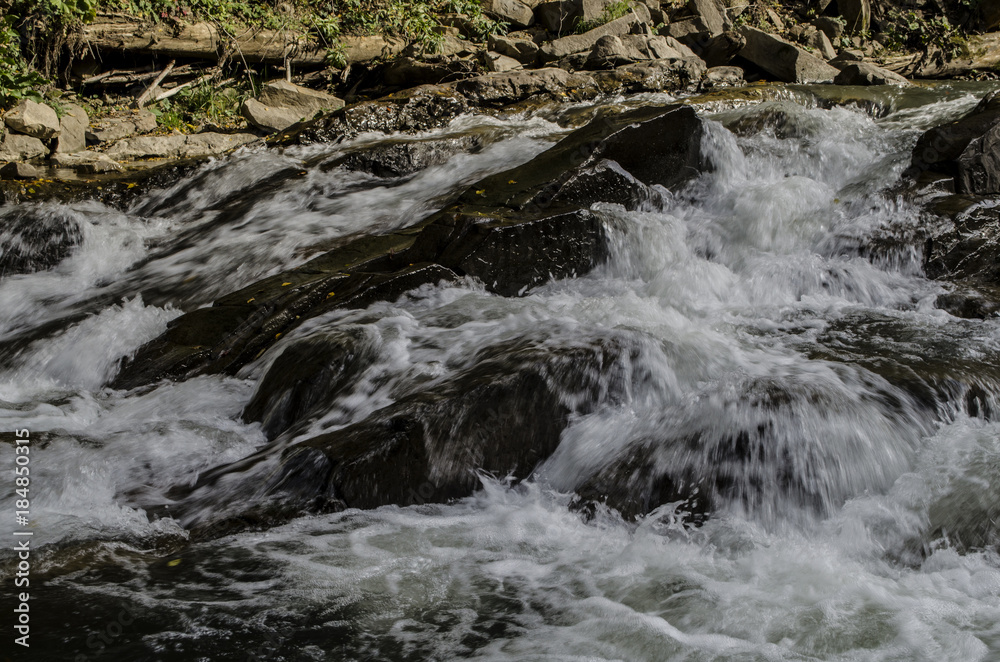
(567, 50)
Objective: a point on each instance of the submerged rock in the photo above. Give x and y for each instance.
(502, 415)
(513, 231)
(34, 238)
(307, 376)
(398, 159)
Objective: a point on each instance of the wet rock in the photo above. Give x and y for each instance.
(72, 130)
(503, 231)
(503, 415)
(783, 60)
(33, 119)
(513, 12)
(979, 165)
(307, 376)
(578, 43)
(282, 104)
(35, 238)
(941, 149)
(656, 145)
(417, 109)
(19, 171)
(605, 181)
(178, 146)
(857, 15)
(524, 51)
(398, 159)
(864, 73)
(18, 147)
(966, 249)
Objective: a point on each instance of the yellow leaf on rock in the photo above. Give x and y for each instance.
(173, 563)
(285, 284)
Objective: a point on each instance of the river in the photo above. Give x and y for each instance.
(864, 527)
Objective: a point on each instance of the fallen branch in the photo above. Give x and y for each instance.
(145, 96)
(172, 91)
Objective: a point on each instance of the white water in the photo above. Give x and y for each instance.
(725, 298)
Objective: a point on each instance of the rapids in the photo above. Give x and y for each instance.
(863, 528)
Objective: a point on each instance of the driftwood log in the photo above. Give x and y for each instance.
(207, 42)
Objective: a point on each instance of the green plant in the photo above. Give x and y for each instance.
(610, 13)
(910, 29)
(17, 79)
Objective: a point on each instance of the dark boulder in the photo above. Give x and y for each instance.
(513, 231)
(979, 165)
(949, 149)
(307, 376)
(398, 159)
(503, 415)
(967, 247)
(36, 238)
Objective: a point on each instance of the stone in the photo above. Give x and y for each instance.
(821, 43)
(940, 150)
(847, 56)
(72, 130)
(19, 147)
(653, 76)
(402, 158)
(307, 376)
(86, 162)
(775, 19)
(723, 77)
(524, 51)
(178, 146)
(282, 104)
(512, 230)
(711, 18)
(115, 128)
(33, 119)
(830, 26)
(144, 120)
(865, 73)
(503, 89)
(857, 15)
(979, 165)
(579, 43)
(563, 16)
(497, 63)
(784, 61)
(37, 238)
(721, 49)
(408, 71)
(15, 170)
(513, 12)
(613, 51)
